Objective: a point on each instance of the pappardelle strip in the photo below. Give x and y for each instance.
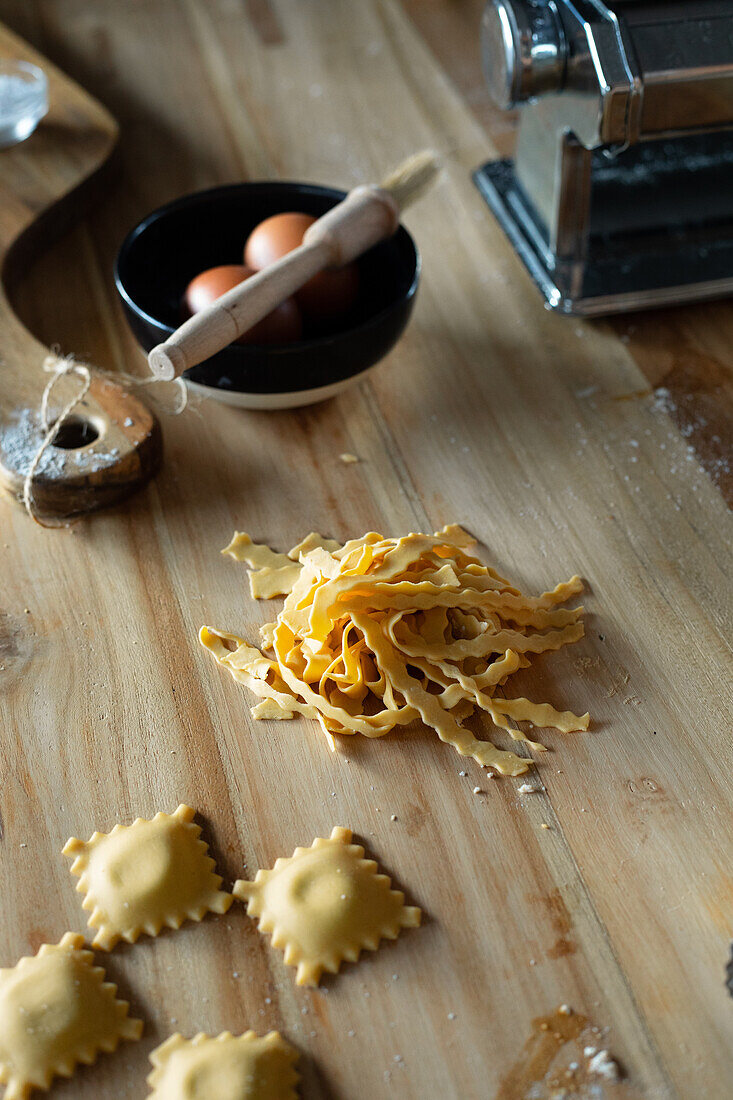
(380, 632)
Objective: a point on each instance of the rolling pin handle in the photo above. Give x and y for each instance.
(167, 362)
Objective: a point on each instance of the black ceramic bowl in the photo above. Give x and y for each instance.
(167, 249)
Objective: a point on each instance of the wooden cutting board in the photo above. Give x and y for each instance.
(538, 433)
(111, 444)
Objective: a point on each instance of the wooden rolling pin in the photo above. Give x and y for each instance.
(367, 215)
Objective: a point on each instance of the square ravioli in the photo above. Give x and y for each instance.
(228, 1067)
(56, 1009)
(140, 877)
(325, 904)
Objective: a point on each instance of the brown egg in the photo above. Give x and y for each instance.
(283, 326)
(274, 237)
(324, 297)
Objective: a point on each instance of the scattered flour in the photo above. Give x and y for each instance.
(23, 435)
(604, 1065)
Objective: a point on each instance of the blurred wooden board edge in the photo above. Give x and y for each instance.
(86, 170)
(56, 218)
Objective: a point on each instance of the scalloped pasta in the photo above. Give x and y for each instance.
(326, 904)
(57, 1010)
(138, 878)
(381, 632)
(227, 1067)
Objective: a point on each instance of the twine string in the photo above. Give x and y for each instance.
(59, 366)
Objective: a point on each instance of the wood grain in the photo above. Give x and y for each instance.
(491, 412)
(678, 350)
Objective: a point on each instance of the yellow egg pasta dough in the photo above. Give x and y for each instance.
(326, 904)
(56, 1010)
(140, 877)
(228, 1067)
(383, 631)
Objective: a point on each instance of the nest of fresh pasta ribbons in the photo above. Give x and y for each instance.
(381, 632)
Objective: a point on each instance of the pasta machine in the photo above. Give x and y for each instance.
(620, 194)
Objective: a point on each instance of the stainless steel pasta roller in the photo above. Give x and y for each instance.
(620, 195)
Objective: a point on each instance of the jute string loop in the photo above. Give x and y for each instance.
(59, 366)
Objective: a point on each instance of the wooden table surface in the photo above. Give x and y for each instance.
(565, 446)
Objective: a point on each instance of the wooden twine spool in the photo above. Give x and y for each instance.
(52, 426)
